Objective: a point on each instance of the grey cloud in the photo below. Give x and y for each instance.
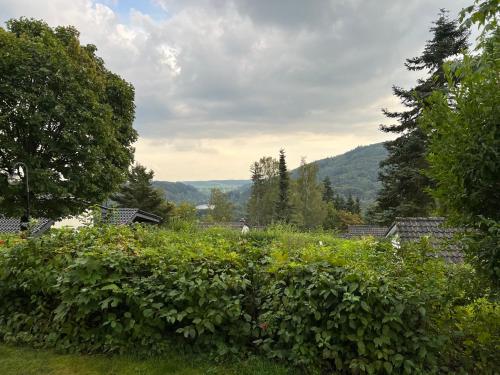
(220, 68)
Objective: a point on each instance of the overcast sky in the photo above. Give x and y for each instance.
(220, 83)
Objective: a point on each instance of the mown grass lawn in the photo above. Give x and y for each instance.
(26, 361)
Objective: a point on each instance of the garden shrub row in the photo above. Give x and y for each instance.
(312, 299)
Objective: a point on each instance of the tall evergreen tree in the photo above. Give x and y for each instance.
(464, 142)
(138, 192)
(283, 208)
(404, 185)
(328, 195)
(349, 206)
(357, 206)
(339, 202)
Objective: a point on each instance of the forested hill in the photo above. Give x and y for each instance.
(354, 172)
(198, 192)
(179, 192)
(223, 185)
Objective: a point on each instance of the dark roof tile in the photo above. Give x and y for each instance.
(415, 228)
(126, 216)
(365, 230)
(13, 225)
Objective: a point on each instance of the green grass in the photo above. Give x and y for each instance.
(26, 361)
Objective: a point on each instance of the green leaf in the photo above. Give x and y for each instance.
(421, 310)
(361, 347)
(388, 367)
(112, 287)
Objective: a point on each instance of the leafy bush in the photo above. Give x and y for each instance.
(474, 334)
(312, 299)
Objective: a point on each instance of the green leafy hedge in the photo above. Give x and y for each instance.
(314, 300)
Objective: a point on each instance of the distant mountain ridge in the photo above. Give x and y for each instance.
(354, 172)
(223, 185)
(178, 192)
(197, 192)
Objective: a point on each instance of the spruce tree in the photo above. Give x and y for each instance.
(404, 185)
(283, 208)
(138, 192)
(339, 202)
(349, 206)
(357, 206)
(328, 195)
(464, 143)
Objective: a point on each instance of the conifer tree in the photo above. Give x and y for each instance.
(404, 185)
(283, 208)
(464, 142)
(357, 206)
(138, 192)
(328, 195)
(349, 206)
(339, 202)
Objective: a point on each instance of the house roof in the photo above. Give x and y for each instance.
(365, 230)
(415, 228)
(126, 216)
(13, 225)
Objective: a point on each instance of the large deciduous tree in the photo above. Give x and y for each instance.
(221, 208)
(307, 198)
(404, 184)
(63, 114)
(264, 192)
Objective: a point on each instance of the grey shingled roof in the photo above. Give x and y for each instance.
(126, 216)
(365, 230)
(13, 225)
(415, 228)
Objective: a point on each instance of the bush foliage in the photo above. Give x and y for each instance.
(311, 299)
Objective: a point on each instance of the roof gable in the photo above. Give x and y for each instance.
(414, 228)
(13, 225)
(126, 216)
(365, 230)
(406, 229)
